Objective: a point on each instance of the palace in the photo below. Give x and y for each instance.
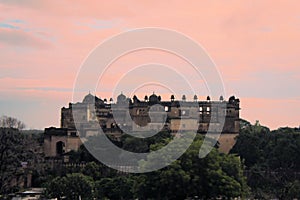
(132, 115)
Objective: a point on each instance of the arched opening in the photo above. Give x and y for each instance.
(113, 125)
(60, 148)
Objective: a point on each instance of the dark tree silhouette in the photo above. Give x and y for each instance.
(10, 122)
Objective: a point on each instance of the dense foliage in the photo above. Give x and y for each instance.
(14, 150)
(70, 187)
(11, 156)
(269, 159)
(18, 154)
(217, 175)
(272, 161)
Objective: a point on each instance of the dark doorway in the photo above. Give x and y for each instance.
(60, 148)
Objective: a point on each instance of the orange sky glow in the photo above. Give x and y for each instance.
(254, 44)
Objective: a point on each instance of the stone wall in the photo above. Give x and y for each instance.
(181, 115)
(55, 136)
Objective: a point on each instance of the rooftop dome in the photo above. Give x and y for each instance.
(195, 97)
(89, 98)
(172, 97)
(153, 98)
(121, 98)
(208, 98)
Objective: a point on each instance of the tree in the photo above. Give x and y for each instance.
(170, 183)
(15, 148)
(118, 187)
(190, 177)
(10, 122)
(93, 170)
(55, 188)
(70, 187)
(250, 143)
(294, 190)
(272, 160)
(12, 153)
(135, 145)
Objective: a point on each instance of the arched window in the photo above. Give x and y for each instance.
(60, 148)
(166, 108)
(208, 110)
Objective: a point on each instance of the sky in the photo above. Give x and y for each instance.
(254, 44)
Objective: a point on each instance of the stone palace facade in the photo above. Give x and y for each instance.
(132, 115)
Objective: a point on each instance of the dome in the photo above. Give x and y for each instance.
(159, 98)
(232, 99)
(172, 97)
(208, 98)
(153, 98)
(89, 98)
(121, 98)
(146, 98)
(221, 98)
(195, 98)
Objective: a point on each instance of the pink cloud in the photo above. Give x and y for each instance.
(20, 39)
